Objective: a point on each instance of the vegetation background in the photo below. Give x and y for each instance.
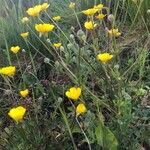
(116, 95)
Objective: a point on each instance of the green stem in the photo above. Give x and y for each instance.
(84, 134)
(69, 130)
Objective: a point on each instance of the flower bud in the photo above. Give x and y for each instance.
(116, 66)
(23, 50)
(72, 36)
(48, 40)
(60, 99)
(111, 18)
(72, 28)
(83, 37)
(148, 11)
(46, 60)
(61, 48)
(70, 45)
(40, 98)
(80, 33)
(29, 67)
(57, 64)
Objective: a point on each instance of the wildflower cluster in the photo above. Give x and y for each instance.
(74, 93)
(57, 47)
(93, 16)
(96, 12)
(70, 78)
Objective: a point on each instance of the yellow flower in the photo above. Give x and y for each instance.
(80, 109)
(8, 71)
(15, 49)
(57, 18)
(25, 34)
(90, 11)
(114, 32)
(24, 93)
(104, 57)
(44, 28)
(100, 16)
(34, 11)
(17, 113)
(44, 6)
(89, 25)
(73, 93)
(99, 6)
(72, 5)
(25, 20)
(57, 45)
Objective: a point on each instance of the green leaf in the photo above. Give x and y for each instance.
(99, 134)
(109, 140)
(105, 137)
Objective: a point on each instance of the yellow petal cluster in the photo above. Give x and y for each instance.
(35, 11)
(99, 6)
(15, 49)
(104, 57)
(17, 113)
(44, 28)
(44, 6)
(114, 32)
(90, 12)
(80, 109)
(73, 93)
(24, 93)
(56, 18)
(24, 35)
(72, 5)
(57, 45)
(100, 16)
(89, 25)
(8, 71)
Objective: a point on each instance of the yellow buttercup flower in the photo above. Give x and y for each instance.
(44, 28)
(17, 113)
(25, 20)
(100, 16)
(90, 11)
(72, 5)
(15, 49)
(73, 93)
(99, 6)
(104, 57)
(24, 93)
(57, 45)
(34, 11)
(89, 25)
(56, 18)
(24, 35)
(8, 71)
(80, 109)
(44, 6)
(114, 32)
